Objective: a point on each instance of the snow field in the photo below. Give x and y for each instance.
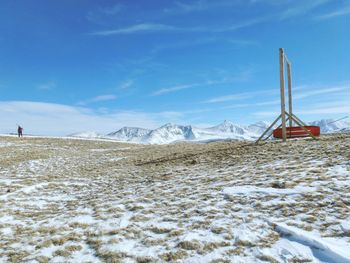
(81, 201)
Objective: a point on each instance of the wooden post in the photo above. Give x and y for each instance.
(285, 115)
(272, 124)
(289, 69)
(276, 128)
(302, 125)
(283, 102)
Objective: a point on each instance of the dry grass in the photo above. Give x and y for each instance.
(156, 195)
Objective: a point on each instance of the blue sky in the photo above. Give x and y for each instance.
(68, 66)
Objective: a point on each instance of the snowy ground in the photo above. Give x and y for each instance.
(67, 200)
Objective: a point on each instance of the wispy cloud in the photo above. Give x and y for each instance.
(184, 44)
(339, 109)
(59, 119)
(126, 84)
(302, 8)
(138, 28)
(50, 85)
(338, 13)
(243, 24)
(325, 110)
(112, 10)
(309, 93)
(174, 88)
(181, 7)
(242, 76)
(291, 9)
(239, 96)
(101, 13)
(243, 42)
(156, 28)
(232, 97)
(266, 113)
(99, 98)
(321, 101)
(199, 5)
(103, 98)
(185, 7)
(203, 41)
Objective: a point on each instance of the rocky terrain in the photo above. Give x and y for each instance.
(72, 200)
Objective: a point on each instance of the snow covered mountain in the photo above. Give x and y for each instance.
(228, 130)
(330, 126)
(227, 127)
(170, 133)
(128, 134)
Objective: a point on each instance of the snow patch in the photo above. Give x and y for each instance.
(247, 189)
(328, 250)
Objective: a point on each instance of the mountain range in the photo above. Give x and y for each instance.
(170, 133)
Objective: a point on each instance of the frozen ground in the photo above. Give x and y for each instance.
(67, 200)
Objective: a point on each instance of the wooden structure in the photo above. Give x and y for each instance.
(287, 115)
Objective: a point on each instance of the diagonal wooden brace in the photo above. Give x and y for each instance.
(301, 124)
(277, 128)
(269, 128)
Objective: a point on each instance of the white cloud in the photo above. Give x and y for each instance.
(47, 85)
(174, 88)
(232, 97)
(126, 84)
(243, 24)
(266, 113)
(302, 8)
(243, 42)
(112, 10)
(313, 91)
(57, 119)
(103, 98)
(184, 44)
(152, 28)
(203, 41)
(241, 76)
(322, 102)
(99, 98)
(197, 6)
(240, 96)
(139, 28)
(334, 14)
(340, 109)
(319, 111)
(290, 9)
(100, 14)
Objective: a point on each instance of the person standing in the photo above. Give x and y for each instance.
(20, 131)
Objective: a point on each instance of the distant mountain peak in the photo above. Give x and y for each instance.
(171, 132)
(128, 133)
(226, 123)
